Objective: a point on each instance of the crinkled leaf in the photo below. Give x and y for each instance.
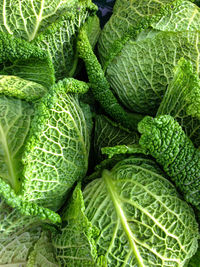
(15, 119)
(25, 19)
(20, 88)
(141, 218)
(100, 86)
(17, 236)
(43, 252)
(140, 74)
(75, 246)
(185, 16)
(56, 153)
(139, 69)
(165, 140)
(50, 25)
(182, 100)
(128, 19)
(108, 133)
(26, 208)
(19, 58)
(15, 122)
(59, 39)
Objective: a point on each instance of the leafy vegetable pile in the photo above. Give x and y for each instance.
(99, 144)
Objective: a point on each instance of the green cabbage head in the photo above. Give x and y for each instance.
(130, 216)
(142, 43)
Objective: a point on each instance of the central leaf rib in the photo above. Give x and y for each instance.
(12, 177)
(107, 176)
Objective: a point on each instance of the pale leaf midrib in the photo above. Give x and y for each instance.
(8, 159)
(107, 176)
(5, 18)
(80, 135)
(39, 19)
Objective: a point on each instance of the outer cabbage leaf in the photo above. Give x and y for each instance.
(182, 100)
(56, 154)
(185, 16)
(108, 133)
(128, 19)
(141, 218)
(25, 19)
(20, 88)
(50, 25)
(75, 245)
(164, 139)
(17, 236)
(43, 252)
(140, 86)
(25, 207)
(15, 122)
(19, 58)
(59, 39)
(100, 86)
(140, 74)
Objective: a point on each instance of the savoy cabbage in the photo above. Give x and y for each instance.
(56, 209)
(142, 43)
(49, 25)
(131, 215)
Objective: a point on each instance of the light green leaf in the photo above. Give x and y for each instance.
(128, 19)
(25, 19)
(15, 119)
(19, 58)
(140, 73)
(50, 25)
(59, 39)
(123, 149)
(108, 133)
(185, 17)
(141, 218)
(182, 100)
(27, 208)
(75, 246)
(17, 236)
(43, 252)
(20, 88)
(56, 154)
(138, 61)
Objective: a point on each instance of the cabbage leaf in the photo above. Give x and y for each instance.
(138, 75)
(52, 26)
(182, 99)
(43, 252)
(108, 133)
(17, 236)
(56, 153)
(142, 43)
(19, 58)
(128, 19)
(15, 120)
(164, 139)
(75, 245)
(139, 216)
